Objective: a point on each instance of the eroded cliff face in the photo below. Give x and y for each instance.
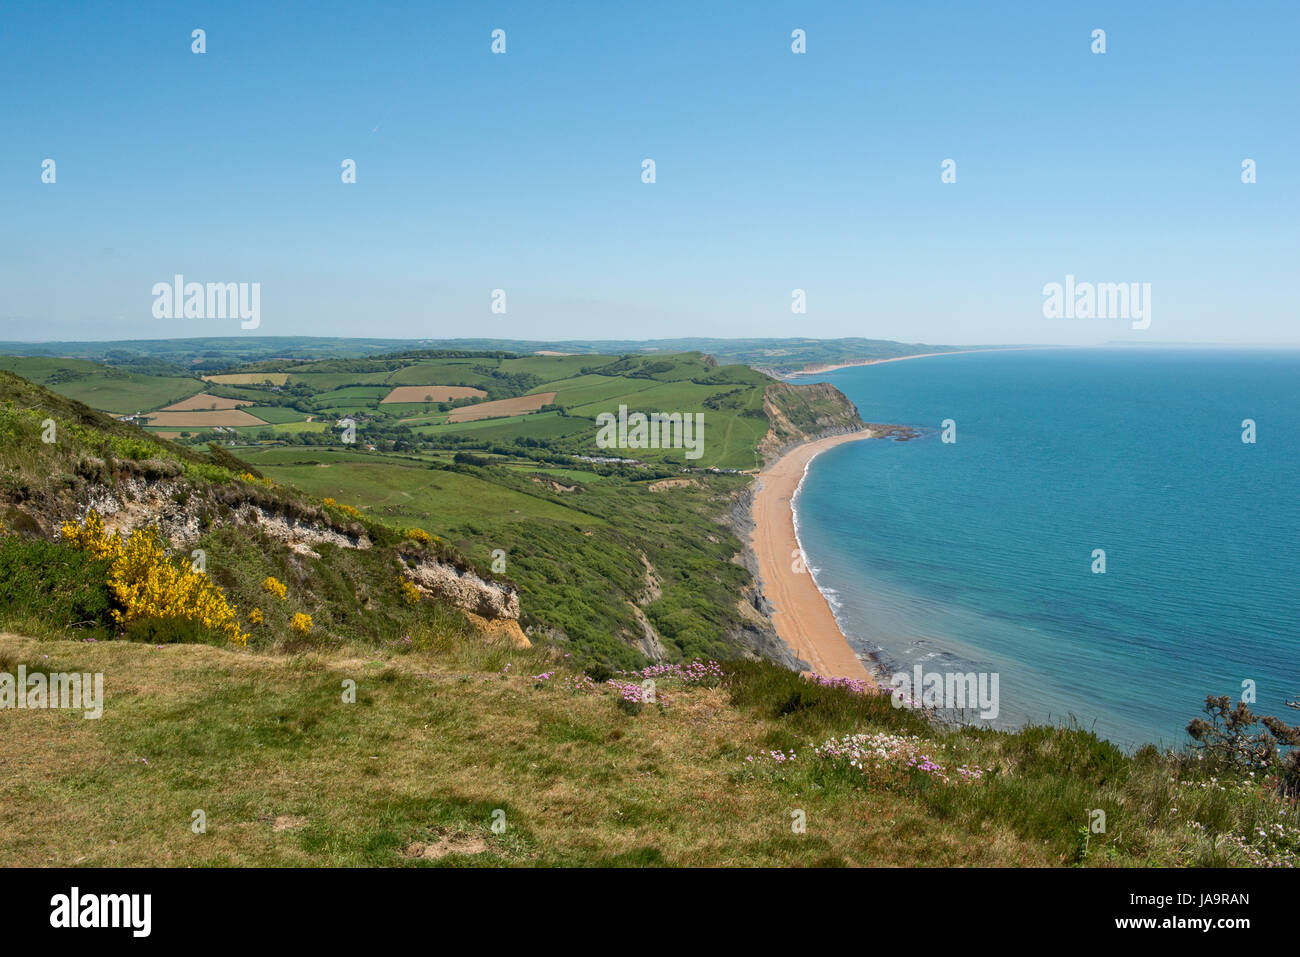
(798, 413)
(465, 589)
(155, 493)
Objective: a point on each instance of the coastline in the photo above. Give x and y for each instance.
(800, 613)
(819, 369)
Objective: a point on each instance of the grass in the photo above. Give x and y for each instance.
(103, 387)
(275, 414)
(442, 735)
(249, 378)
(419, 494)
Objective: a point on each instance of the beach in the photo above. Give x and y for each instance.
(819, 369)
(801, 615)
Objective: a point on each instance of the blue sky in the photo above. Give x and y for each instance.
(775, 171)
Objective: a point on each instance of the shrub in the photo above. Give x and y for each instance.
(275, 587)
(146, 584)
(1232, 740)
(90, 536)
(50, 582)
(345, 509)
(301, 623)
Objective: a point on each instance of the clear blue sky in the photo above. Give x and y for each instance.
(775, 170)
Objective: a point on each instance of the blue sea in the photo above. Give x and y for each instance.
(977, 555)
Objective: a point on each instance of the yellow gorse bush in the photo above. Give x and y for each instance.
(146, 583)
(301, 623)
(410, 592)
(90, 536)
(275, 587)
(254, 480)
(418, 535)
(345, 509)
(255, 616)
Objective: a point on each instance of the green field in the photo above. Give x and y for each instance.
(275, 414)
(104, 387)
(420, 495)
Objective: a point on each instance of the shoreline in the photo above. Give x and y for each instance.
(800, 613)
(819, 369)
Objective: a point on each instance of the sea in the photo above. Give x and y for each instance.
(1087, 524)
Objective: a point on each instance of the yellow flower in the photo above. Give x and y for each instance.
(148, 584)
(419, 535)
(255, 616)
(410, 592)
(90, 536)
(345, 509)
(301, 623)
(275, 587)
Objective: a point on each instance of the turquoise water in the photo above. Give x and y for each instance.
(978, 555)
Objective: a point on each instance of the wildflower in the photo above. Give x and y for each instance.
(146, 583)
(275, 587)
(411, 593)
(301, 623)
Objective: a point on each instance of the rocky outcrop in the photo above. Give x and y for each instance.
(182, 514)
(465, 589)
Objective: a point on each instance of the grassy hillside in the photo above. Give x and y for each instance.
(344, 569)
(448, 737)
(103, 387)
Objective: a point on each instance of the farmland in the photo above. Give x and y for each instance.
(625, 553)
(430, 393)
(103, 387)
(203, 402)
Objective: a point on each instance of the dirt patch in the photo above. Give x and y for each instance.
(665, 484)
(286, 822)
(205, 403)
(491, 410)
(432, 393)
(432, 850)
(499, 628)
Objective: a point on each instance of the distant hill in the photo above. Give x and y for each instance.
(212, 354)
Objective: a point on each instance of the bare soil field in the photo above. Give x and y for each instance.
(203, 420)
(432, 393)
(501, 407)
(204, 403)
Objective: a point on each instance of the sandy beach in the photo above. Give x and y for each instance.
(819, 369)
(801, 615)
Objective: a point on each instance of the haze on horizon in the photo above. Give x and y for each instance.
(775, 171)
